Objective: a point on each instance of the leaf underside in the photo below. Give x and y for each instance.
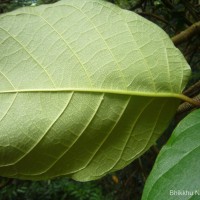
(85, 88)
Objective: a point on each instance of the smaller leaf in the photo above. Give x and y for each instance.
(176, 173)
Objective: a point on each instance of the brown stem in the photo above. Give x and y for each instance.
(185, 107)
(187, 34)
(193, 90)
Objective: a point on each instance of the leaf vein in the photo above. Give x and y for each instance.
(81, 133)
(31, 55)
(9, 107)
(43, 135)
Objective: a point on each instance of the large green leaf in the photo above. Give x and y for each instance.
(86, 88)
(176, 173)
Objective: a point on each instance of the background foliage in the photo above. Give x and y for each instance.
(173, 16)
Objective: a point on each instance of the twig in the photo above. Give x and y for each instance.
(194, 93)
(187, 34)
(193, 90)
(185, 107)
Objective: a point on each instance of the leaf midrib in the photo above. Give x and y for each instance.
(109, 91)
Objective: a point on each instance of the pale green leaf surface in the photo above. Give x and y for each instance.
(85, 88)
(176, 172)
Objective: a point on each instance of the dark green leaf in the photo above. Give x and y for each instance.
(176, 173)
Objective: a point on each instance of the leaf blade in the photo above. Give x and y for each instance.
(69, 48)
